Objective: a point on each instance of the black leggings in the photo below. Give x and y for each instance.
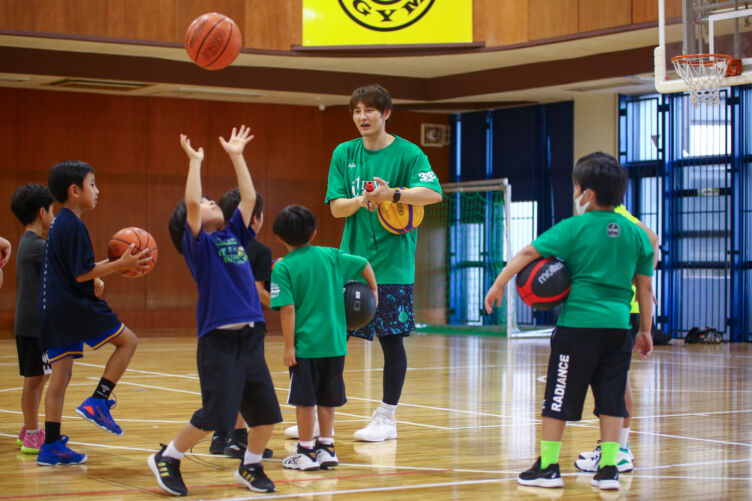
(395, 367)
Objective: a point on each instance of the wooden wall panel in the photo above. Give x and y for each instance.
(500, 22)
(142, 20)
(132, 142)
(273, 25)
(599, 14)
(644, 11)
(188, 10)
(552, 18)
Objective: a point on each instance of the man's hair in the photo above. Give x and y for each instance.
(603, 174)
(295, 225)
(372, 95)
(230, 200)
(177, 225)
(64, 174)
(25, 202)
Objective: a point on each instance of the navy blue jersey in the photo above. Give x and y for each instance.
(220, 266)
(69, 312)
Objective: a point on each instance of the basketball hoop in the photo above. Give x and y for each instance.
(703, 74)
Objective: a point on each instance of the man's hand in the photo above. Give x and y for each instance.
(238, 139)
(381, 193)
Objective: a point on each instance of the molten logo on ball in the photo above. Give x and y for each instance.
(543, 284)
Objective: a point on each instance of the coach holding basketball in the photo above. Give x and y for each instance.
(391, 163)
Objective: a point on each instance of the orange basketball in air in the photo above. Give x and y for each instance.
(213, 41)
(141, 239)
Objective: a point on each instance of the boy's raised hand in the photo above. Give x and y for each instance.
(238, 140)
(493, 298)
(192, 154)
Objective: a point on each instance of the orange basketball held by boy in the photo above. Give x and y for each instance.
(544, 283)
(141, 240)
(213, 41)
(397, 217)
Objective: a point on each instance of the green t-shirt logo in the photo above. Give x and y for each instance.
(613, 230)
(230, 251)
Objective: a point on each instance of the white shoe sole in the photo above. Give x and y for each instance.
(605, 485)
(292, 431)
(622, 468)
(153, 467)
(548, 483)
(290, 465)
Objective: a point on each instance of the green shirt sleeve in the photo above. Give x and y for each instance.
(281, 288)
(351, 266)
(421, 173)
(556, 241)
(337, 185)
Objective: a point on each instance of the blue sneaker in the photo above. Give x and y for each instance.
(97, 411)
(59, 453)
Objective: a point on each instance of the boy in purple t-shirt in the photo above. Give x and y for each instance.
(232, 371)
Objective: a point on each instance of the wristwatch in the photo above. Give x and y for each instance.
(396, 196)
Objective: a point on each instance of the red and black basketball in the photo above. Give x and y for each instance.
(544, 283)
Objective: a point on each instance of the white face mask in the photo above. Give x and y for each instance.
(580, 209)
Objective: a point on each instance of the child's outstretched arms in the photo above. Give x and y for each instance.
(234, 148)
(495, 294)
(193, 185)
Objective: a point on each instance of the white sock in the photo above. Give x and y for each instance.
(251, 458)
(624, 438)
(172, 452)
(389, 408)
(308, 444)
(326, 440)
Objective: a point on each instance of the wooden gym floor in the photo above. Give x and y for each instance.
(468, 424)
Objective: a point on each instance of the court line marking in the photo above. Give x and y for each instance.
(666, 435)
(689, 414)
(77, 418)
(21, 387)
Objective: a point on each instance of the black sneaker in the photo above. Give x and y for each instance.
(253, 477)
(267, 453)
(167, 471)
(218, 443)
(535, 476)
(607, 478)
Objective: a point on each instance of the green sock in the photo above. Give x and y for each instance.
(609, 450)
(550, 453)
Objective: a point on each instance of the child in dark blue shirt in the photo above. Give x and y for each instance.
(71, 314)
(232, 371)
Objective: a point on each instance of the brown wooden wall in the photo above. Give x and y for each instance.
(132, 142)
(277, 25)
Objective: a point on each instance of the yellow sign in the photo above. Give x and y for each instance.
(386, 22)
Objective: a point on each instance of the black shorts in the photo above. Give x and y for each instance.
(32, 361)
(234, 378)
(583, 357)
(318, 381)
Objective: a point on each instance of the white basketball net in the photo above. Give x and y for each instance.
(703, 74)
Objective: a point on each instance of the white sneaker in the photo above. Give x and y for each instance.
(383, 426)
(589, 461)
(326, 457)
(292, 431)
(303, 460)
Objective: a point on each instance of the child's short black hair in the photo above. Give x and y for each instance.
(64, 174)
(603, 174)
(177, 225)
(230, 200)
(372, 95)
(295, 225)
(25, 202)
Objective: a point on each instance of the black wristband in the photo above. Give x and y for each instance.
(396, 196)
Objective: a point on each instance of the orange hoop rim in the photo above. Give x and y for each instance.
(700, 59)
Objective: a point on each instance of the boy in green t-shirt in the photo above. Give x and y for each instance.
(307, 289)
(591, 345)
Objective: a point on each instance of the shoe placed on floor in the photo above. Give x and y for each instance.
(97, 411)
(325, 455)
(304, 460)
(607, 478)
(59, 453)
(167, 472)
(21, 435)
(590, 461)
(383, 426)
(292, 431)
(32, 442)
(537, 477)
(267, 453)
(253, 477)
(218, 443)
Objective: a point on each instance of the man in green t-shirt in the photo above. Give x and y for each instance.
(400, 172)
(306, 287)
(591, 346)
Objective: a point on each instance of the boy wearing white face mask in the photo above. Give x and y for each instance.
(591, 346)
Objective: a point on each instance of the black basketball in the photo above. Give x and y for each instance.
(544, 283)
(360, 305)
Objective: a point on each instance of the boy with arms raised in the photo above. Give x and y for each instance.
(32, 205)
(307, 289)
(72, 313)
(604, 252)
(232, 371)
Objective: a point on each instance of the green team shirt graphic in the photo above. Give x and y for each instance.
(312, 279)
(602, 251)
(401, 164)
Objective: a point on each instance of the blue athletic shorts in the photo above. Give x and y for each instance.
(77, 350)
(394, 314)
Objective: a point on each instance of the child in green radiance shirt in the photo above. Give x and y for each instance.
(591, 346)
(307, 288)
